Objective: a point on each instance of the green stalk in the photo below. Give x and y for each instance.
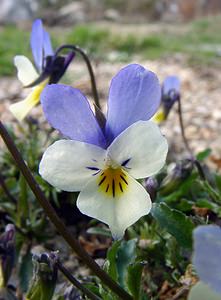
(192, 156)
(76, 283)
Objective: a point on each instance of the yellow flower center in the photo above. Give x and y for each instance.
(112, 182)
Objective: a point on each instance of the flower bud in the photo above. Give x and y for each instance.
(170, 93)
(175, 176)
(44, 277)
(151, 186)
(7, 254)
(54, 68)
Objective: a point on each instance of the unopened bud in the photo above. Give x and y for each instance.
(151, 186)
(44, 277)
(176, 176)
(170, 93)
(7, 254)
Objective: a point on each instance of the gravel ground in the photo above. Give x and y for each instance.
(201, 92)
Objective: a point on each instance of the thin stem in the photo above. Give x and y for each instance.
(200, 170)
(5, 189)
(75, 282)
(89, 66)
(50, 212)
(195, 161)
(182, 128)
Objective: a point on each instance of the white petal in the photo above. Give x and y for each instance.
(67, 164)
(22, 108)
(26, 71)
(118, 212)
(143, 145)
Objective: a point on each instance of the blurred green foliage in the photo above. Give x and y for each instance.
(13, 41)
(199, 40)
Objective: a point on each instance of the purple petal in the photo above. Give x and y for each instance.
(68, 111)
(171, 83)
(48, 51)
(37, 40)
(207, 254)
(134, 95)
(68, 59)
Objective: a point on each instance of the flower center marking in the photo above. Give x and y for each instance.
(112, 182)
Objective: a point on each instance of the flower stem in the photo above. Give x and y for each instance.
(60, 226)
(200, 170)
(89, 66)
(193, 158)
(182, 128)
(75, 282)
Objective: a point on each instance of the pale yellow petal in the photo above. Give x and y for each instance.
(26, 71)
(22, 108)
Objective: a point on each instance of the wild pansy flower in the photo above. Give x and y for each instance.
(49, 69)
(103, 163)
(170, 94)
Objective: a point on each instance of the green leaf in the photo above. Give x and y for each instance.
(218, 181)
(25, 271)
(134, 278)
(126, 256)
(101, 231)
(107, 295)
(204, 154)
(202, 291)
(111, 264)
(175, 222)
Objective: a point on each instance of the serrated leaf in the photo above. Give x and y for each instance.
(126, 256)
(134, 278)
(175, 222)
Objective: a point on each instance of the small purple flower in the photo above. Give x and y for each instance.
(103, 163)
(151, 186)
(170, 94)
(50, 69)
(207, 255)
